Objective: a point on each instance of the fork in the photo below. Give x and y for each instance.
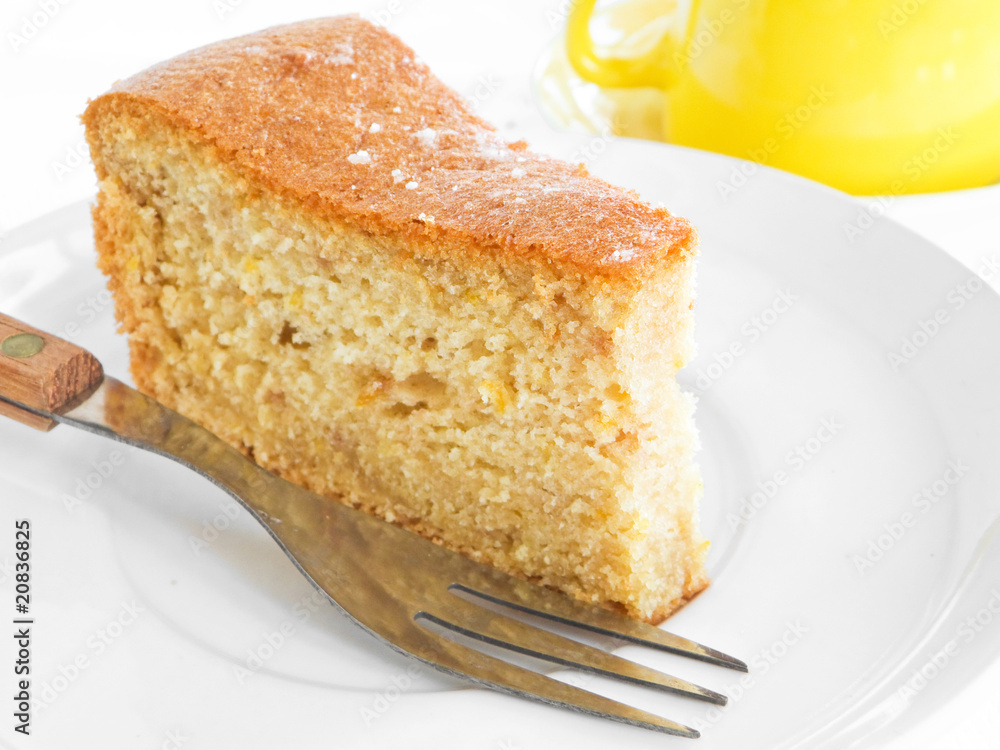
(390, 581)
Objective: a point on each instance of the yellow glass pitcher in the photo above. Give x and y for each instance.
(870, 96)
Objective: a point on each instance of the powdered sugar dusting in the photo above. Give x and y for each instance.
(412, 185)
(427, 136)
(374, 128)
(361, 157)
(517, 172)
(397, 176)
(341, 54)
(491, 146)
(622, 255)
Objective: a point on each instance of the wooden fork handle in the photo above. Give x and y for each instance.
(41, 372)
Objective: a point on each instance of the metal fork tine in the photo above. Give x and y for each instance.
(466, 662)
(552, 605)
(476, 622)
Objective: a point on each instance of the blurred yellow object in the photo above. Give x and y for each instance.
(870, 96)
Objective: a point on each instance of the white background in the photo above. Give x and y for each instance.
(485, 50)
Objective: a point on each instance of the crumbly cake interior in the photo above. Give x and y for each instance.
(526, 418)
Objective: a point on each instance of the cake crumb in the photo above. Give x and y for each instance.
(518, 172)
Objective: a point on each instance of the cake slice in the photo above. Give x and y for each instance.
(322, 255)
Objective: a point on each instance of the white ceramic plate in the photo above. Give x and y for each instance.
(163, 615)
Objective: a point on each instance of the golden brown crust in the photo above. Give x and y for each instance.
(338, 115)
